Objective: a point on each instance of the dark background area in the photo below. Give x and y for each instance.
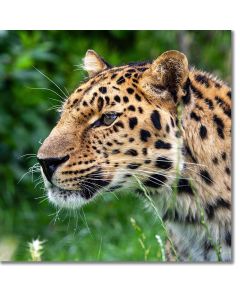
(28, 100)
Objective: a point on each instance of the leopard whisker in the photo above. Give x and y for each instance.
(65, 95)
(106, 189)
(46, 89)
(28, 155)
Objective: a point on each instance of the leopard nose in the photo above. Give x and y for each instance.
(49, 165)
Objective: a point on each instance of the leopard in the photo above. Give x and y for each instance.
(160, 129)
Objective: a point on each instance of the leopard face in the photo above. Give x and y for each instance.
(117, 129)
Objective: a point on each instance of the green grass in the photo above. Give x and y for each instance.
(102, 231)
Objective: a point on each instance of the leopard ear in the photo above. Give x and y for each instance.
(169, 72)
(93, 63)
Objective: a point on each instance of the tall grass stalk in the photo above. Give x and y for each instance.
(141, 238)
(141, 185)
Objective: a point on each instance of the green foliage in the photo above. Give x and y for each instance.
(25, 119)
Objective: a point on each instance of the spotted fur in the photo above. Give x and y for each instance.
(158, 123)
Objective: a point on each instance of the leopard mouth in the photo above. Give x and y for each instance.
(90, 186)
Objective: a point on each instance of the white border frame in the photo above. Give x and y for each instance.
(130, 281)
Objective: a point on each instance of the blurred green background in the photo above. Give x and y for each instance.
(103, 230)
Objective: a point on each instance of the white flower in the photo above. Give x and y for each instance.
(36, 249)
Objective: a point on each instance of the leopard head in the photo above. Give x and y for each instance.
(116, 129)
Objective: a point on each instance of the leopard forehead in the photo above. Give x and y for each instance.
(110, 88)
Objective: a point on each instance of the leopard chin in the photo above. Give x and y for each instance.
(66, 198)
(73, 199)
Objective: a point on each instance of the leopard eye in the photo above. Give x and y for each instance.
(109, 118)
(106, 119)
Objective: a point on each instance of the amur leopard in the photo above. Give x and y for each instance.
(158, 128)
